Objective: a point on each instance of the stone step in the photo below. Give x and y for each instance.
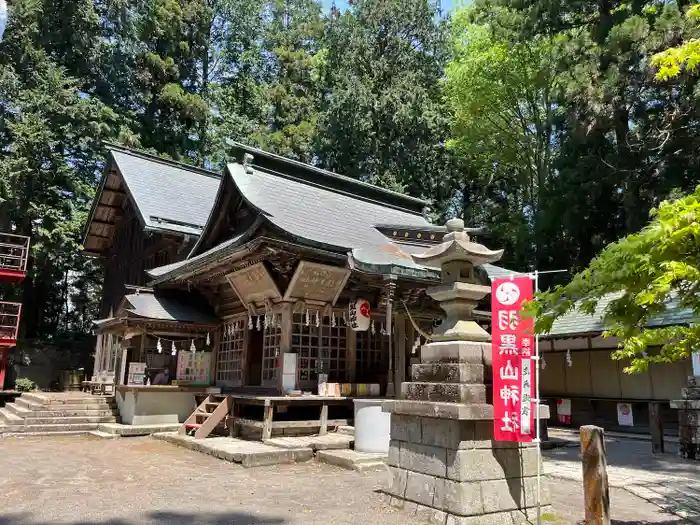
(352, 460)
(347, 430)
(69, 420)
(77, 412)
(65, 399)
(9, 418)
(49, 429)
(32, 405)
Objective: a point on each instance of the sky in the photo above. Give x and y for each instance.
(343, 4)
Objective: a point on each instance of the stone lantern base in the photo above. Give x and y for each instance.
(689, 419)
(442, 458)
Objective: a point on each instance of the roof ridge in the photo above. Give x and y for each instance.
(326, 173)
(149, 156)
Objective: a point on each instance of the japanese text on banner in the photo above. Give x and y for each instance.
(513, 370)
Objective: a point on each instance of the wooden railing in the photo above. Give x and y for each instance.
(9, 321)
(14, 250)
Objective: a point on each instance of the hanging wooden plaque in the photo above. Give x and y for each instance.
(317, 283)
(254, 284)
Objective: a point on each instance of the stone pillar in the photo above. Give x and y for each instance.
(443, 460)
(442, 457)
(689, 419)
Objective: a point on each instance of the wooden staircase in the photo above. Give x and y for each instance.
(210, 414)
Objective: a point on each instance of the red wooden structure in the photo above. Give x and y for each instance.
(14, 251)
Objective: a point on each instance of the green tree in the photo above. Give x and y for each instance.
(50, 139)
(649, 272)
(502, 94)
(383, 119)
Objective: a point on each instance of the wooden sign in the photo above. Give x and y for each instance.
(317, 283)
(254, 284)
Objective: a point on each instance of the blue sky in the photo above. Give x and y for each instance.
(342, 4)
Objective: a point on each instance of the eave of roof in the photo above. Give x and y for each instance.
(194, 201)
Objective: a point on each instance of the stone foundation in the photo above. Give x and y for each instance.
(689, 420)
(453, 473)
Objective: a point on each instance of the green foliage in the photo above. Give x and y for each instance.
(670, 61)
(23, 384)
(648, 272)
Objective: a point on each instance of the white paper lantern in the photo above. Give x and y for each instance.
(360, 315)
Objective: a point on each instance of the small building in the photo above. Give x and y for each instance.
(264, 298)
(583, 385)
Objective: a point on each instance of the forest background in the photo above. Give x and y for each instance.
(542, 121)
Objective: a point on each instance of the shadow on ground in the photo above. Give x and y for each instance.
(157, 518)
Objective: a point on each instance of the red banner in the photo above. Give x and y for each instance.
(514, 371)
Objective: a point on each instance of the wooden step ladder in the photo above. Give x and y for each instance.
(207, 416)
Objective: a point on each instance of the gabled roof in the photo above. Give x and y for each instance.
(317, 214)
(319, 209)
(167, 196)
(577, 323)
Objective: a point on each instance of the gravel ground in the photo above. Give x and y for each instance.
(130, 481)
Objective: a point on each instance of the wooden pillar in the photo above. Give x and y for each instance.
(351, 358)
(287, 327)
(215, 344)
(400, 338)
(99, 354)
(3, 366)
(656, 426)
(595, 477)
(124, 346)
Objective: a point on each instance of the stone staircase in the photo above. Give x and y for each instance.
(57, 413)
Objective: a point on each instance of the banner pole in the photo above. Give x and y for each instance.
(537, 414)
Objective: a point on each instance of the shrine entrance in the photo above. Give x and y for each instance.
(254, 360)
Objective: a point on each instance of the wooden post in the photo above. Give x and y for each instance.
(287, 324)
(595, 477)
(351, 359)
(267, 421)
(400, 370)
(656, 426)
(3, 366)
(323, 430)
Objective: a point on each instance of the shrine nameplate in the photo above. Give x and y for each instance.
(313, 282)
(254, 284)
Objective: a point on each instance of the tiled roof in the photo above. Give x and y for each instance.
(169, 196)
(576, 322)
(315, 213)
(150, 306)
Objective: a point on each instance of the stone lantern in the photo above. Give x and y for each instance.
(442, 457)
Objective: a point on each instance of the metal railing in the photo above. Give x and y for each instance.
(9, 320)
(14, 250)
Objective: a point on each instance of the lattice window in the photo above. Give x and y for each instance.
(271, 351)
(230, 360)
(333, 350)
(372, 354)
(321, 349)
(305, 343)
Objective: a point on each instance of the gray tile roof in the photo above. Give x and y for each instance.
(150, 306)
(579, 323)
(317, 214)
(169, 196)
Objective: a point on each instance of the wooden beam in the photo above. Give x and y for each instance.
(596, 493)
(400, 368)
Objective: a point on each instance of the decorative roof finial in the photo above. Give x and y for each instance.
(247, 163)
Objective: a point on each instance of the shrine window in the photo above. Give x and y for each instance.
(231, 356)
(271, 351)
(321, 348)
